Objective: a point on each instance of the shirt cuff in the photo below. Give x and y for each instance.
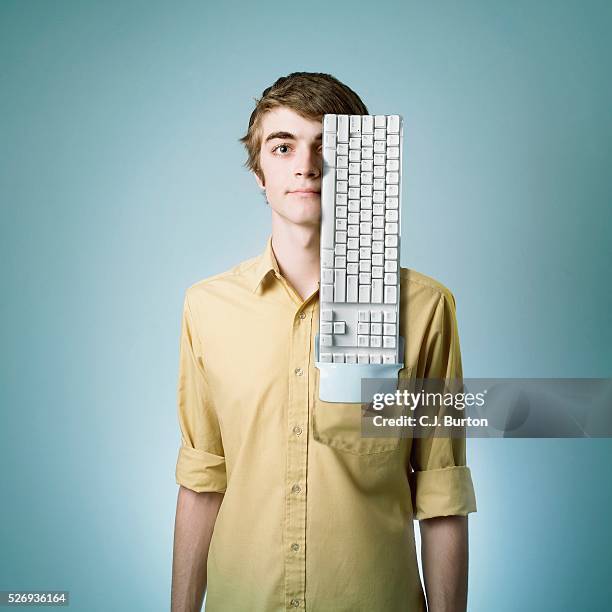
(200, 471)
(443, 492)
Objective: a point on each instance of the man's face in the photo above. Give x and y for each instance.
(291, 161)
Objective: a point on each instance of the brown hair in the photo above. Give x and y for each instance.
(310, 94)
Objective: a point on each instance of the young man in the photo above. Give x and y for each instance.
(280, 506)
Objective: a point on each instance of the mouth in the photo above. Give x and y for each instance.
(306, 192)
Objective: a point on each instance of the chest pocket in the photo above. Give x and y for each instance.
(339, 425)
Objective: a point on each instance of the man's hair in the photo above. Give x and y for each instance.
(309, 94)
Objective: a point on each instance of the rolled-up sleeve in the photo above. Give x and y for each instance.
(440, 481)
(201, 460)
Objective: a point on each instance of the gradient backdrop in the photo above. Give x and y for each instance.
(121, 185)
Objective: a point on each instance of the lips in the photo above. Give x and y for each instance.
(306, 191)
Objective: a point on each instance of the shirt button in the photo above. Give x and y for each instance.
(295, 603)
(302, 315)
(299, 371)
(295, 547)
(296, 488)
(297, 430)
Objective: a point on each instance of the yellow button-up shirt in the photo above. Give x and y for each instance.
(314, 515)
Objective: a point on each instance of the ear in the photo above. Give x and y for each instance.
(260, 183)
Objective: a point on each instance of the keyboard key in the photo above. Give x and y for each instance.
(376, 341)
(353, 206)
(355, 125)
(326, 327)
(352, 268)
(380, 121)
(341, 211)
(329, 123)
(391, 240)
(392, 178)
(342, 149)
(377, 271)
(354, 143)
(391, 253)
(377, 258)
(393, 140)
(339, 262)
(327, 258)
(365, 278)
(392, 190)
(389, 329)
(351, 358)
(393, 124)
(343, 128)
(388, 341)
(363, 341)
(364, 293)
(390, 278)
(329, 141)
(375, 358)
(367, 124)
(352, 255)
(392, 203)
(363, 328)
(340, 224)
(327, 293)
(340, 327)
(352, 243)
(326, 357)
(354, 168)
(327, 275)
(389, 316)
(376, 316)
(377, 290)
(376, 329)
(366, 165)
(363, 316)
(390, 294)
(393, 152)
(351, 288)
(363, 359)
(354, 155)
(390, 265)
(393, 165)
(338, 358)
(339, 285)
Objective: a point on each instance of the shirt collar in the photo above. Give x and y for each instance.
(267, 263)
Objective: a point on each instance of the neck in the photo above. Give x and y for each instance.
(296, 248)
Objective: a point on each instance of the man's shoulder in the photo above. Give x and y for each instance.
(412, 282)
(236, 277)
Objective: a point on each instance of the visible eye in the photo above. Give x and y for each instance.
(281, 148)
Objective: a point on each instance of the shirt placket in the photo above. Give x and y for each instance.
(297, 456)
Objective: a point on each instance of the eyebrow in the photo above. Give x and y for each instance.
(286, 136)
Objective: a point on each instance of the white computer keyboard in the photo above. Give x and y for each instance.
(360, 241)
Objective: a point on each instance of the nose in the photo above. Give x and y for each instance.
(308, 162)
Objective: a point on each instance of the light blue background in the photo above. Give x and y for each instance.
(121, 184)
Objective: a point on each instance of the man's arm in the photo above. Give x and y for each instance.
(196, 514)
(444, 555)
